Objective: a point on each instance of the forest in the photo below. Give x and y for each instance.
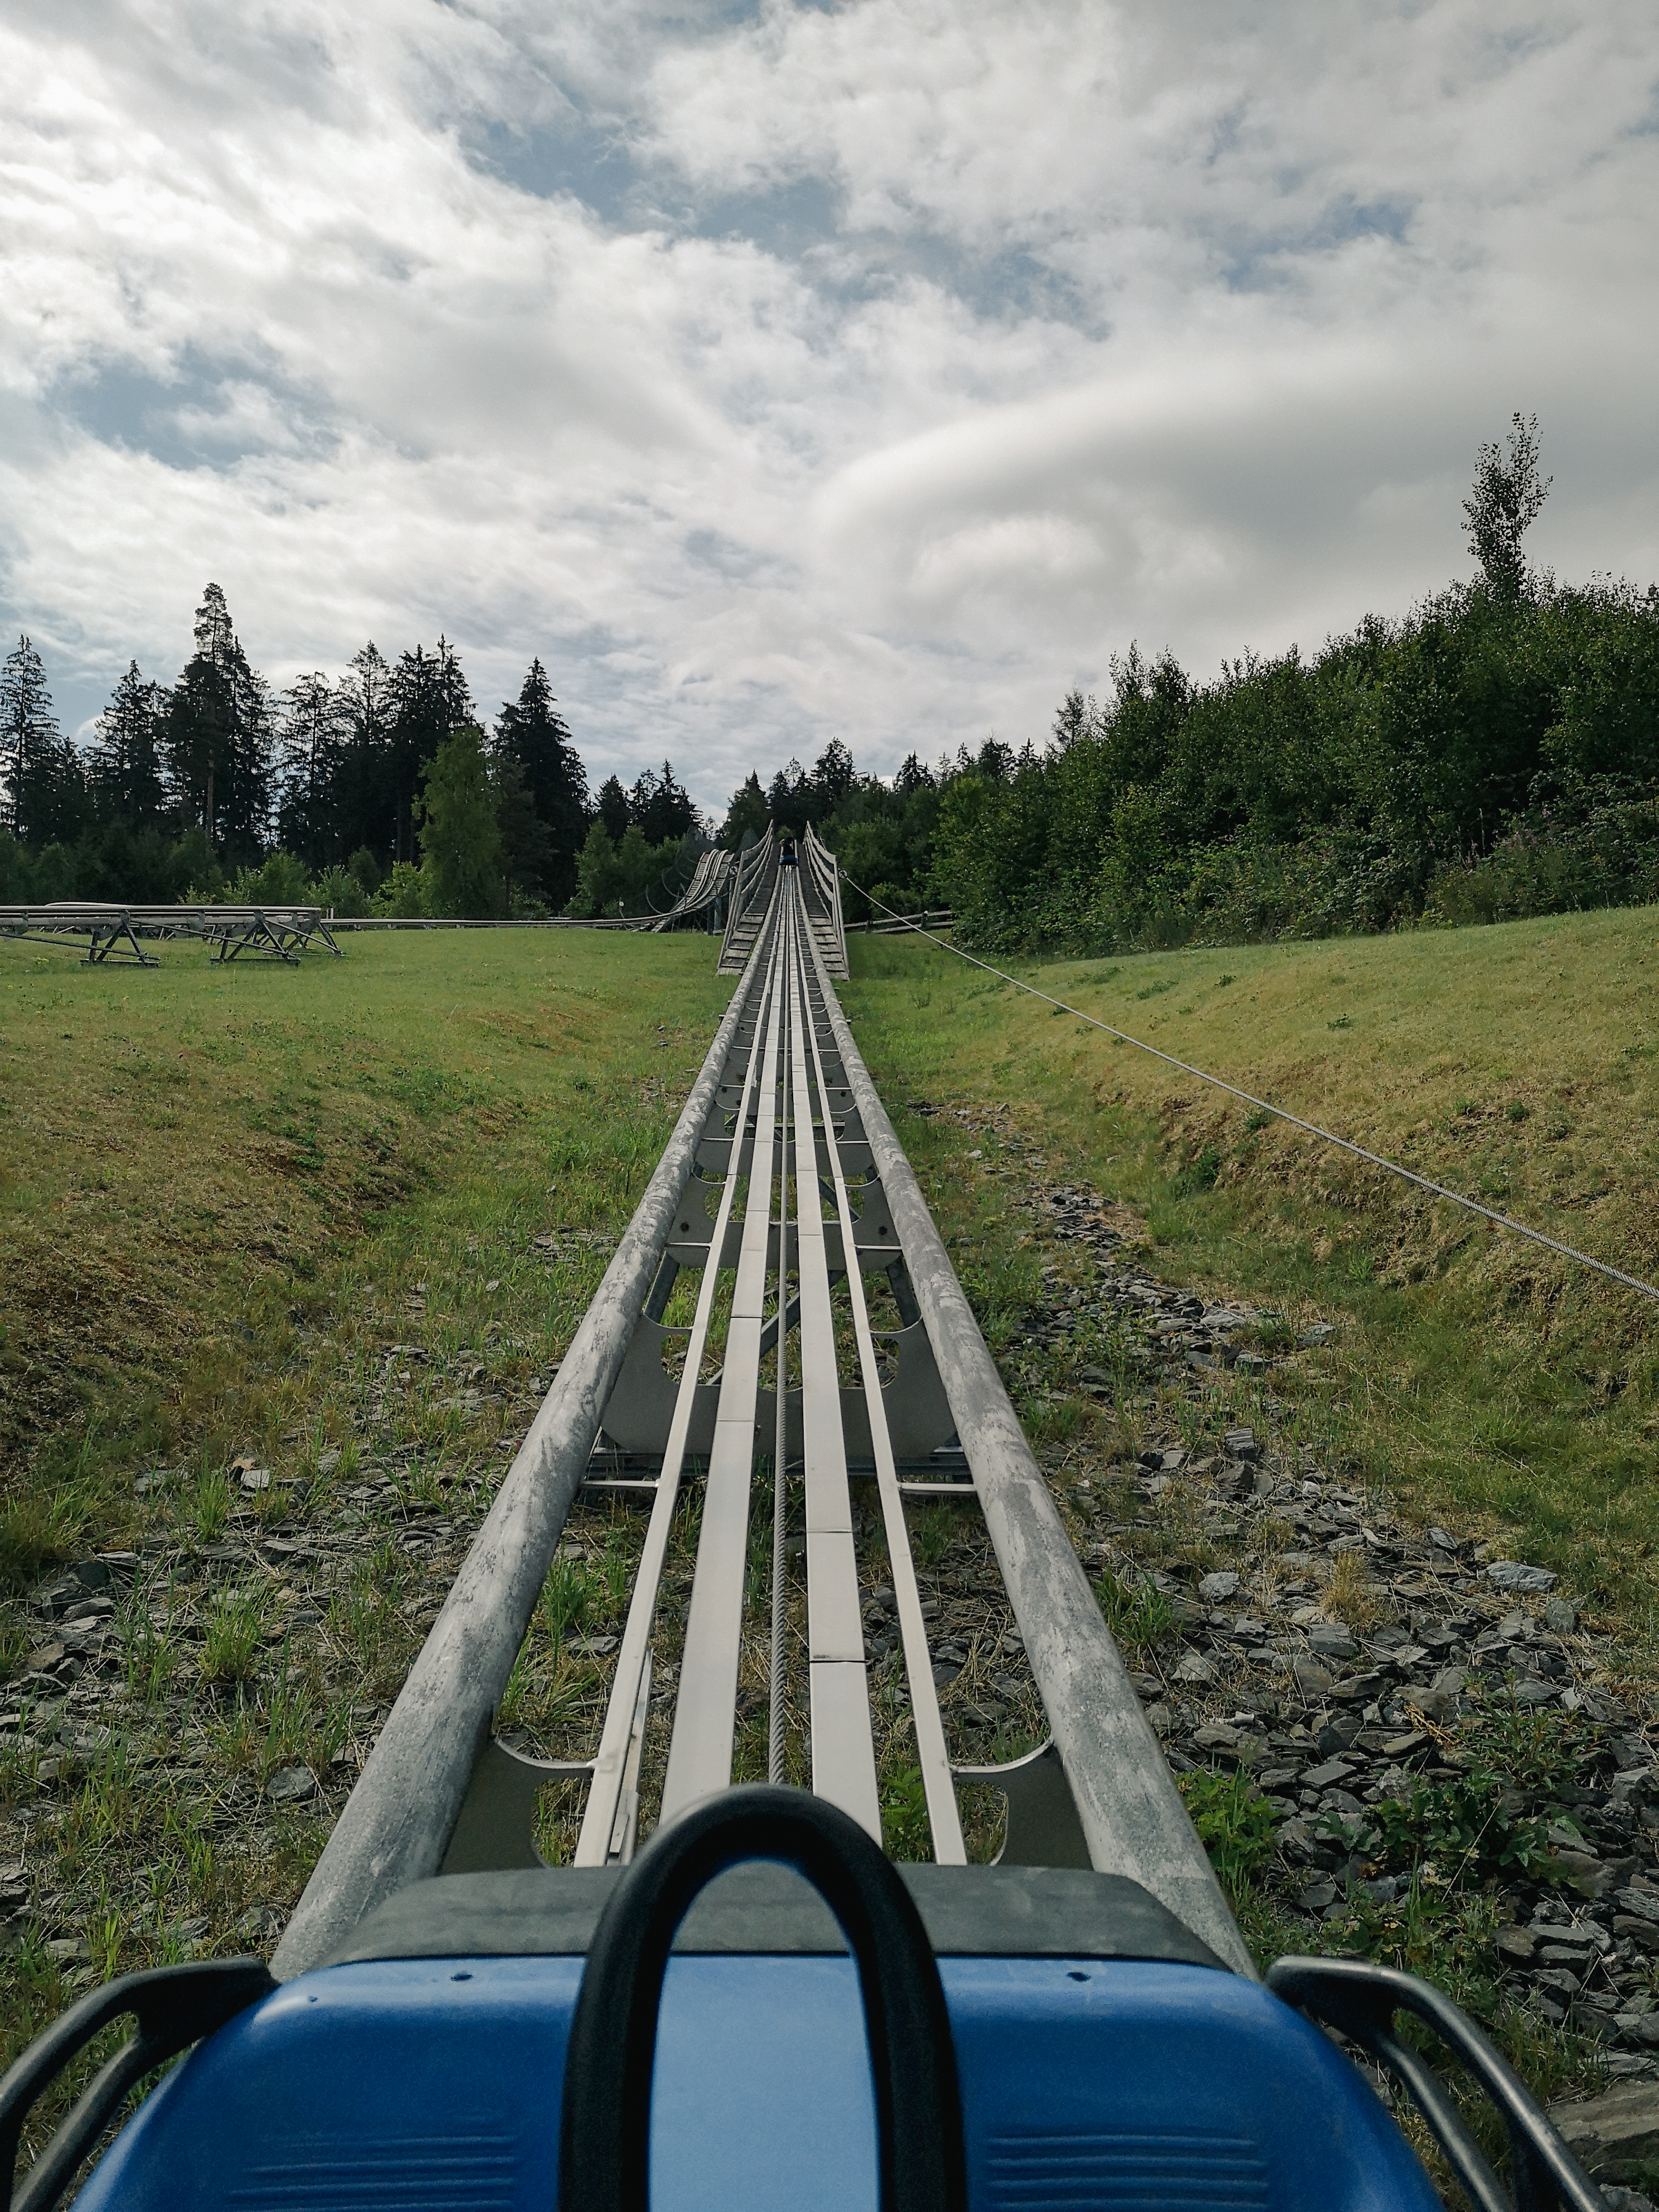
(382, 791)
(1492, 753)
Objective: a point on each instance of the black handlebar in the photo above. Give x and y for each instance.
(605, 2136)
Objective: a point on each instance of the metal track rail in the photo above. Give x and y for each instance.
(783, 1180)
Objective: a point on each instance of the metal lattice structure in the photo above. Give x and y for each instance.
(783, 1169)
(705, 895)
(118, 932)
(754, 886)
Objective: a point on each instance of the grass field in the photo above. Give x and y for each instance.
(1476, 1374)
(215, 1180)
(338, 1224)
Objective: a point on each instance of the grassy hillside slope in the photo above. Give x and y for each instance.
(1476, 1372)
(217, 1182)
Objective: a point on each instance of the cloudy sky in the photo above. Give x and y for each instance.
(786, 371)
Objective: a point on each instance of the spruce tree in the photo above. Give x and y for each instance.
(40, 782)
(613, 808)
(363, 812)
(747, 815)
(527, 857)
(662, 808)
(430, 700)
(531, 732)
(221, 737)
(314, 740)
(125, 769)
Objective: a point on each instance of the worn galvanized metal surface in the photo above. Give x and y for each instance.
(397, 1823)
(1126, 1797)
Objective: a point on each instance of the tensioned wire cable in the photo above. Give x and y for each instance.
(1282, 1113)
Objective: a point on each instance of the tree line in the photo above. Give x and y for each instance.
(1495, 752)
(381, 788)
(1492, 754)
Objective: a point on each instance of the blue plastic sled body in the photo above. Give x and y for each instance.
(438, 2083)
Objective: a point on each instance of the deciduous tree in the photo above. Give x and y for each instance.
(1502, 504)
(460, 843)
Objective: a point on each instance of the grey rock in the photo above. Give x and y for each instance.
(1441, 1541)
(1311, 1679)
(1516, 1945)
(1562, 1618)
(1325, 1776)
(1241, 1443)
(1218, 1736)
(1440, 1698)
(291, 1785)
(1329, 1641)
(1642, 1902)
(1564, 1985)
(1217, 1587)
(1609, 2134)
(1193, 1667)
(1512, 1575)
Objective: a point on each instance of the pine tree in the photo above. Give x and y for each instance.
(362, 814)
(527, 856)
(662, 808)
(833, 777)
(124, 770)
(313, 744)
(614, 810)
(787, 798)
(747, 815)
(430, 700)
(530, 733)
(220, 736)
(40, 783)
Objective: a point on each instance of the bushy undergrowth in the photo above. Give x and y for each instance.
(1485, 758)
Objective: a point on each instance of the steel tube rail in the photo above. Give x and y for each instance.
(943, 1817)
(1131, 1814)
(843, 1748)
(597, 1841)
(700, 1748)
(396, 1825)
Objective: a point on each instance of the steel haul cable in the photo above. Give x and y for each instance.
(1281, 1113)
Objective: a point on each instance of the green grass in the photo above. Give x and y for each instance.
(216, 1183)
(1474, 1374)
(228, 1197)
(255, 1219)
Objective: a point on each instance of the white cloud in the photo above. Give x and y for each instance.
(876, 370)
